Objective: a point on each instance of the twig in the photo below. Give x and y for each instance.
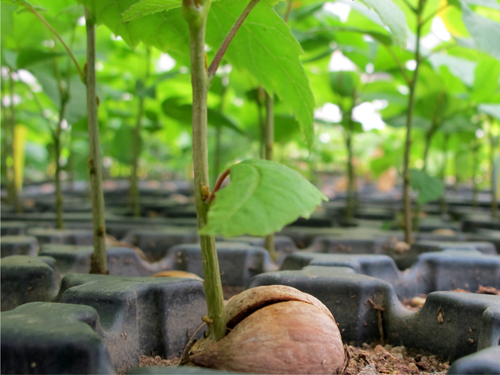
(378, 309)
(218, 185)
(212, 69)
(434, 14)
(191, 342)
(33, 10)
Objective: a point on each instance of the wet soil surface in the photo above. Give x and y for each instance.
(377, 359)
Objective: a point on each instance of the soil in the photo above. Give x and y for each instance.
(368, 360)
(377, 359)
(157, 361)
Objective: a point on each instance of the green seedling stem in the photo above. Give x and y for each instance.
(196, 17)
(349, 130)
(493, 185)
(269, 155)
(11, 182)
(98, 260)
(409, 122)
(195, 13)
(446, 144)
(136, 146)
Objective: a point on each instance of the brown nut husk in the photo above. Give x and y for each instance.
(283, 338)
(251, 300)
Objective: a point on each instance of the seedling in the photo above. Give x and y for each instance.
(88, 76)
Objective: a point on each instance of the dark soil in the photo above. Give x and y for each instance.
(368, 360)
(377, 359)
(157, 361)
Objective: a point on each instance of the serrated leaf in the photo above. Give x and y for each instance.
(265, 47)
(262, 198)
(392, 17)
(429, 188)
(147, 7)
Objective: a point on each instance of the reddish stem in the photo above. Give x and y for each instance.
(218, 185)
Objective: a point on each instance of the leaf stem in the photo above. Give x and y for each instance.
(136, 146)
(98, 259)
(229, 37)
(195, 15)
(434, 14)
(218, 185)
(56, 34)
(288, 10)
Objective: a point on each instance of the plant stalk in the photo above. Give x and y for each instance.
(11, 182)
(475, 164)
(494, 202)
(349, 212)
(196, 17)
(136, 147)
(409, 122)
(443, 173)
(57, 149)
(269, 155)
(98, 259)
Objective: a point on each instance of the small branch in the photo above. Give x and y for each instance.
(434, 14)
(212, 69)
(414, 10)
(288, 10)
(33, 10)
(400, 66)
(218, 185)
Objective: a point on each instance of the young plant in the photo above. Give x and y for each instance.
(263, 196)
(88, 76)
(9, 152)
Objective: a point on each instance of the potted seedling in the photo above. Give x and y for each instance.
(88, 76)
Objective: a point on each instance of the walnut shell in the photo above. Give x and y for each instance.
(273, 335)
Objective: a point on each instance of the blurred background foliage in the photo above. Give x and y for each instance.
(354, 63)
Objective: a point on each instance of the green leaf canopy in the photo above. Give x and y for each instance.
(262, 198)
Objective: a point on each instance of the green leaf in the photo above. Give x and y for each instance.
(392, 17)
(265, 47)
(147, 7)
(487, 75)
(28, 57)
(344, 83)
(485, 32)
(145, 92)
(429, 188)
(262, 198)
